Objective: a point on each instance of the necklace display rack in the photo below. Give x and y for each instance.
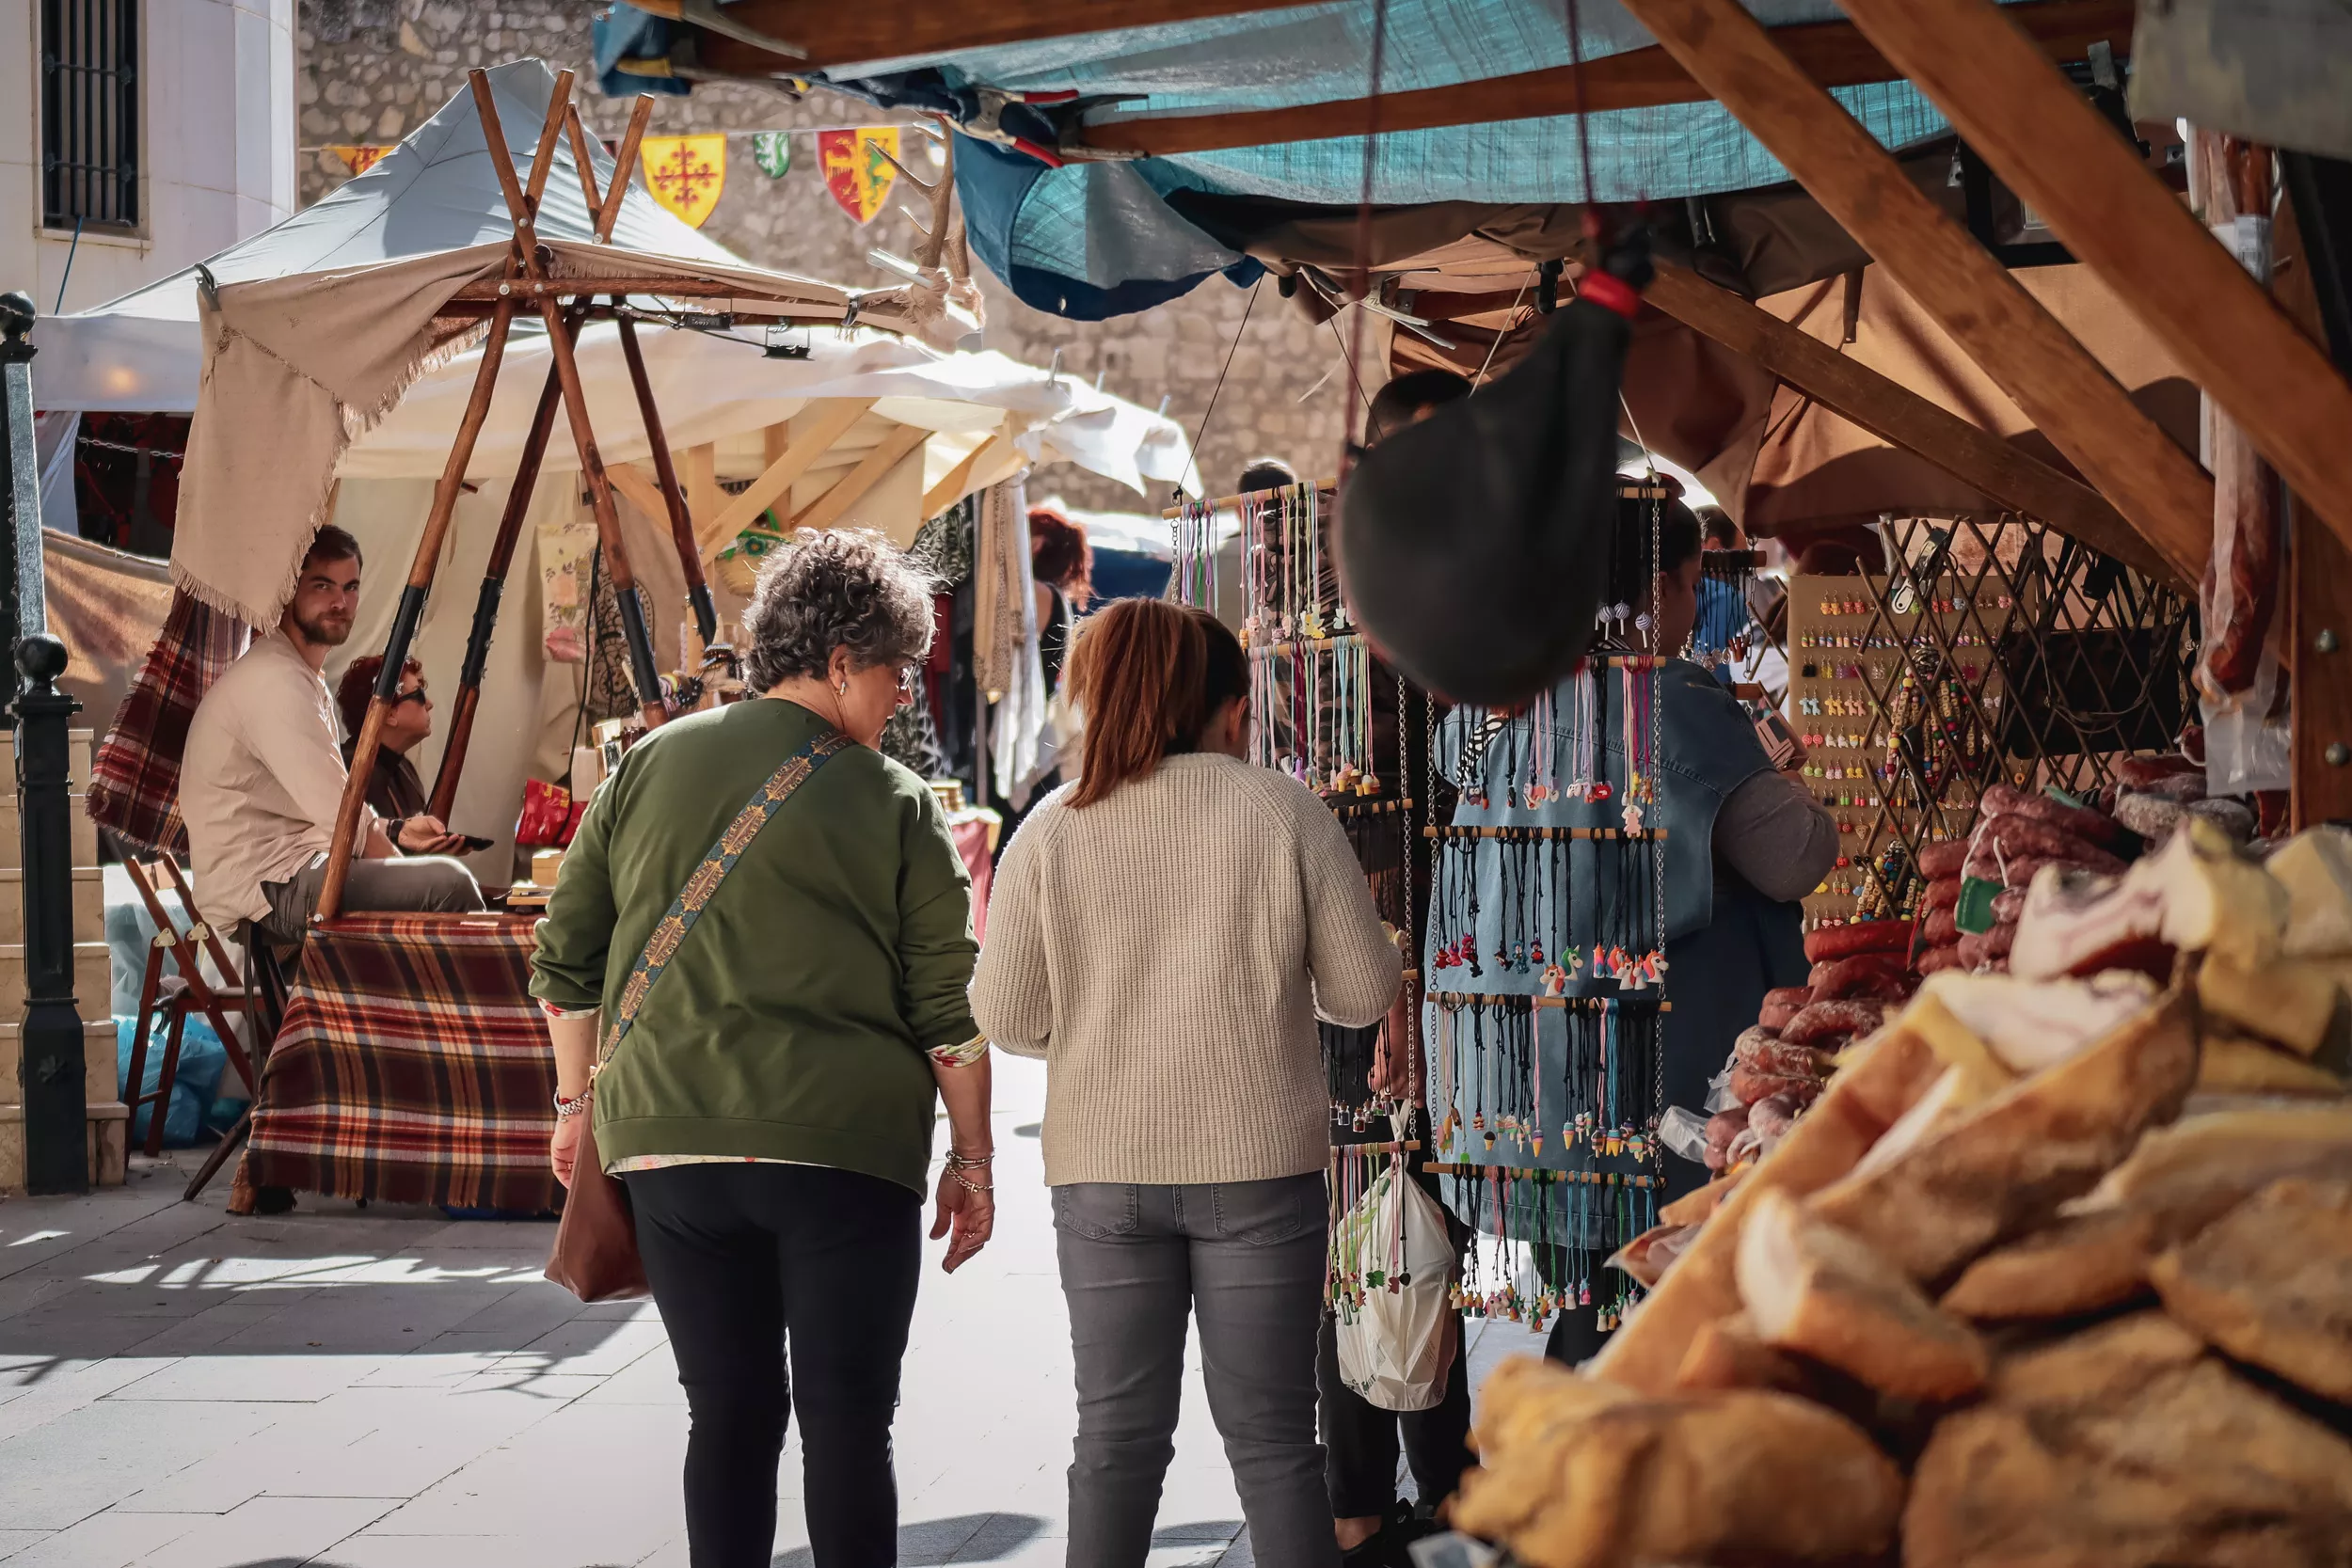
(1542, 1031)
(1896, 688)
(1315, 689)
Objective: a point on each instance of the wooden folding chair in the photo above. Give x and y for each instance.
(164, 997)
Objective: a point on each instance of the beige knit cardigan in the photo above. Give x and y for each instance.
(1167, 950)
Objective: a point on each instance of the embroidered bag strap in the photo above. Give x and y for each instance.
(688, 907)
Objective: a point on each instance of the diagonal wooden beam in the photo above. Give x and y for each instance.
(778, 477)
(2067, 393)
(2098, 196)
(1833, 54)
(1891, 412)
(831, 507)
(957, 483)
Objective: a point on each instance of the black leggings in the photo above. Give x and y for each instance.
(742, 1257)
(1360, 1439)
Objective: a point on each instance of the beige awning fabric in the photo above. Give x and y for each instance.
(1813, 469)
(297, 368)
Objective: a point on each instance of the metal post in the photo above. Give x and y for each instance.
(56, 1117)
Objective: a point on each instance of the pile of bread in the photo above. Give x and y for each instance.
(2057, 1271)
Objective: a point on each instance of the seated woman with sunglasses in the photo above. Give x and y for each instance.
(772, 1070)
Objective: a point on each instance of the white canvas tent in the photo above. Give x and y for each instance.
(339, 379)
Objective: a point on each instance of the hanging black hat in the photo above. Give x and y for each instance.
(1473, 544)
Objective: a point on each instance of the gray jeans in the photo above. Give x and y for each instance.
(1247, 1256)
(383, 886)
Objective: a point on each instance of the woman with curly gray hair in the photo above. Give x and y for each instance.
(770, 1106)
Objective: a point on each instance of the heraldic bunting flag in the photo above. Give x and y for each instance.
(687, 173)
(857, 169)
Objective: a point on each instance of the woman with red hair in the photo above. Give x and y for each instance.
(1163, 933)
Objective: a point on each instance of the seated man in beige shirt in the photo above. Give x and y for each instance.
(261, 778)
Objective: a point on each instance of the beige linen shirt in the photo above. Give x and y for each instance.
(261, 780)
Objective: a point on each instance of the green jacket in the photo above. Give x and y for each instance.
(793, 1022)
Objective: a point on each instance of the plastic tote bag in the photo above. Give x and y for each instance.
(1398, 1332)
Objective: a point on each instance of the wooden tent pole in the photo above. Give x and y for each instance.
(1887, 409)
(646, 675)
(665, 472)
(580, 160)
(2067, 393)
(543, 155)
(345, 843)
(486, 607)
(623, 165)
(689, 557)
(2099, 195)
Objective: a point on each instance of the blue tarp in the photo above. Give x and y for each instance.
(1095, 239)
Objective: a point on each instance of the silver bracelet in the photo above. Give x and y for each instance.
(566, 1109)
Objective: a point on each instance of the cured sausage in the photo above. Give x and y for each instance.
(1978, 949)
(2007, 904)
(2139, 772)
(1748, 1086)
(1938, 861)
(1761, 1051)
(2002, 799)
(1722, 1127)
(1860, 936)
(1782, 1004)
(1824, 1019)
(1774, 1116)
(1940, 931)
(2015, 835)
(2004, 867)
(1943, 892)
(1937, 960)
(1862, 974)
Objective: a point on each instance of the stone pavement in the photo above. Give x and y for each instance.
(386, 1388)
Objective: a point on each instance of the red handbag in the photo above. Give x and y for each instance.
(546, 813)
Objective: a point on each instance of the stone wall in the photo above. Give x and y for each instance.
(371, 70)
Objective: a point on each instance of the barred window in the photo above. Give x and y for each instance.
(89, 112)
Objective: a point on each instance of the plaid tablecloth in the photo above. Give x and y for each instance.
(413, 1067)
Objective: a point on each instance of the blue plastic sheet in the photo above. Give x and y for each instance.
(195, 1102)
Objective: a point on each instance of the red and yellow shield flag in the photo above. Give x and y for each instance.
(686, 173)
(857, 169)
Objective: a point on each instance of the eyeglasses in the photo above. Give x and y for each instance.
(414, 695)
(908, 674)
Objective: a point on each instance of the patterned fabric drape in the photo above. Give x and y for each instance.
(413, 1067)
(135, 786)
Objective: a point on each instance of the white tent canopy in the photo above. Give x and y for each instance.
(436, 191)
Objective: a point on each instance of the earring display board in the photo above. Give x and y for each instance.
(1996, 651)
(1897, 690)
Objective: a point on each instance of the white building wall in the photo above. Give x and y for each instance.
(217, 147)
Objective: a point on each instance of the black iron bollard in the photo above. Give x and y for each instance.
(57, 1114)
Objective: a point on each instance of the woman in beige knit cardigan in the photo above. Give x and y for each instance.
(1163, 933)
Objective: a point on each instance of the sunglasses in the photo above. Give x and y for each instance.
(416, 694)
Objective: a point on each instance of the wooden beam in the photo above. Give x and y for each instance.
(2067, 393)
(826, 33)
(828, 508)
(1885, 408)
(639, 487)
(700, 475)
(773, 481)
(957, 483)
(2099, 196)
(1832, 54)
